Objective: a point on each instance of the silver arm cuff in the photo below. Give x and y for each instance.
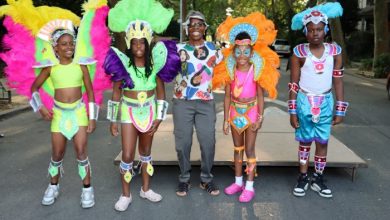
(112, 110)
(35, 101)
(162, 108)
(93, 110)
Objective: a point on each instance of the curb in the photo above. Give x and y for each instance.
(12, 112)
(355, 73)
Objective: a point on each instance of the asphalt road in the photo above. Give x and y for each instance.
(25, 155)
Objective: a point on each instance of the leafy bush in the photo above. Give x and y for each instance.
(382, 65)
(366, 64)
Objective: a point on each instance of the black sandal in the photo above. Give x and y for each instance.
(182, 188)
(210, 187)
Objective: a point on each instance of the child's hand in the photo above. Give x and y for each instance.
(155, 125)
(337, 120)
(294, 121)
(91, 126)
(114, 129)
(225, 127)
(46, 114)
(255, 126)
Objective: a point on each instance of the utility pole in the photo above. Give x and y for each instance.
(183, 12)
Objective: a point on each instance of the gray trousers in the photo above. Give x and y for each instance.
(186, 114)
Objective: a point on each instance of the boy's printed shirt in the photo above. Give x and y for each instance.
(197, 64)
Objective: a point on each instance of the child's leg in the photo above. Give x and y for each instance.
(317, 182)
(303, 179)
(250, 139)
(238, 141)
(84, 167)
(58, 152)
(80, 141)
(129, 141)
(55, 168)
(320, 157)
(239, 147)
(144, 149)
(147, 170)
(304, 156)
(249, 192)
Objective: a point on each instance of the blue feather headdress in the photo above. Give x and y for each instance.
(319, 13)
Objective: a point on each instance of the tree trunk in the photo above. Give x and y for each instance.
(184, 14)
(338, 37)
(290, 14)
(381, 31)
(274, 17)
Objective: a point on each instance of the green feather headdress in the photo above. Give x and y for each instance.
(139, 18)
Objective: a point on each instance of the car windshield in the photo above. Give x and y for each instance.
(281, 42)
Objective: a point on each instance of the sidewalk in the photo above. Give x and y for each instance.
(19, 104)
(364, 75)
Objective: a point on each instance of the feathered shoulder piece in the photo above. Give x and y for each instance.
(265, 61)
(166, 63)
(115, 65)
(166, 60)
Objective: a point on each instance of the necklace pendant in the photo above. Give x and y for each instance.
(237, 91)
(319, 67)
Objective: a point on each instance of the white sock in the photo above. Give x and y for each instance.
(239, 180)
(249, 185)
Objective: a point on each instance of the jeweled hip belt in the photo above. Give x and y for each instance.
(244, 104)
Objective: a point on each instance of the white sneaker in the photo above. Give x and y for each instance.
(87, 198)
(51, 193)
(150, 195)
(122, 204)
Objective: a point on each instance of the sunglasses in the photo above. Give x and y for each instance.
(198, 24)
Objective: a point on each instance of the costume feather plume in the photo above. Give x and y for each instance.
(268, 75)
(96, 44)
(151, 11)
(331, 9)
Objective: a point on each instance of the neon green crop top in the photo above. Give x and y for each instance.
(142, 83)
(66, 76)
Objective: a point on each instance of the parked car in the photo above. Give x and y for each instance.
(281, 47)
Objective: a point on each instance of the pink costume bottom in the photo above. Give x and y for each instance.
(243, 114)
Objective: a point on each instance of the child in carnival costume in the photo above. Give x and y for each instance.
(314, 67)
(43, 62)
(248, 70)
(138, 100)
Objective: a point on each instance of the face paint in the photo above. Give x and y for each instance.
(246, 52)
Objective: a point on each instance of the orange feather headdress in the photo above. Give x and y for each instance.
(262, 32)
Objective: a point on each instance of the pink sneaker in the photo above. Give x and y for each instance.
(233, 189)
(246, 196)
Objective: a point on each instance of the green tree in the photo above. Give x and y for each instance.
(381, 32)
